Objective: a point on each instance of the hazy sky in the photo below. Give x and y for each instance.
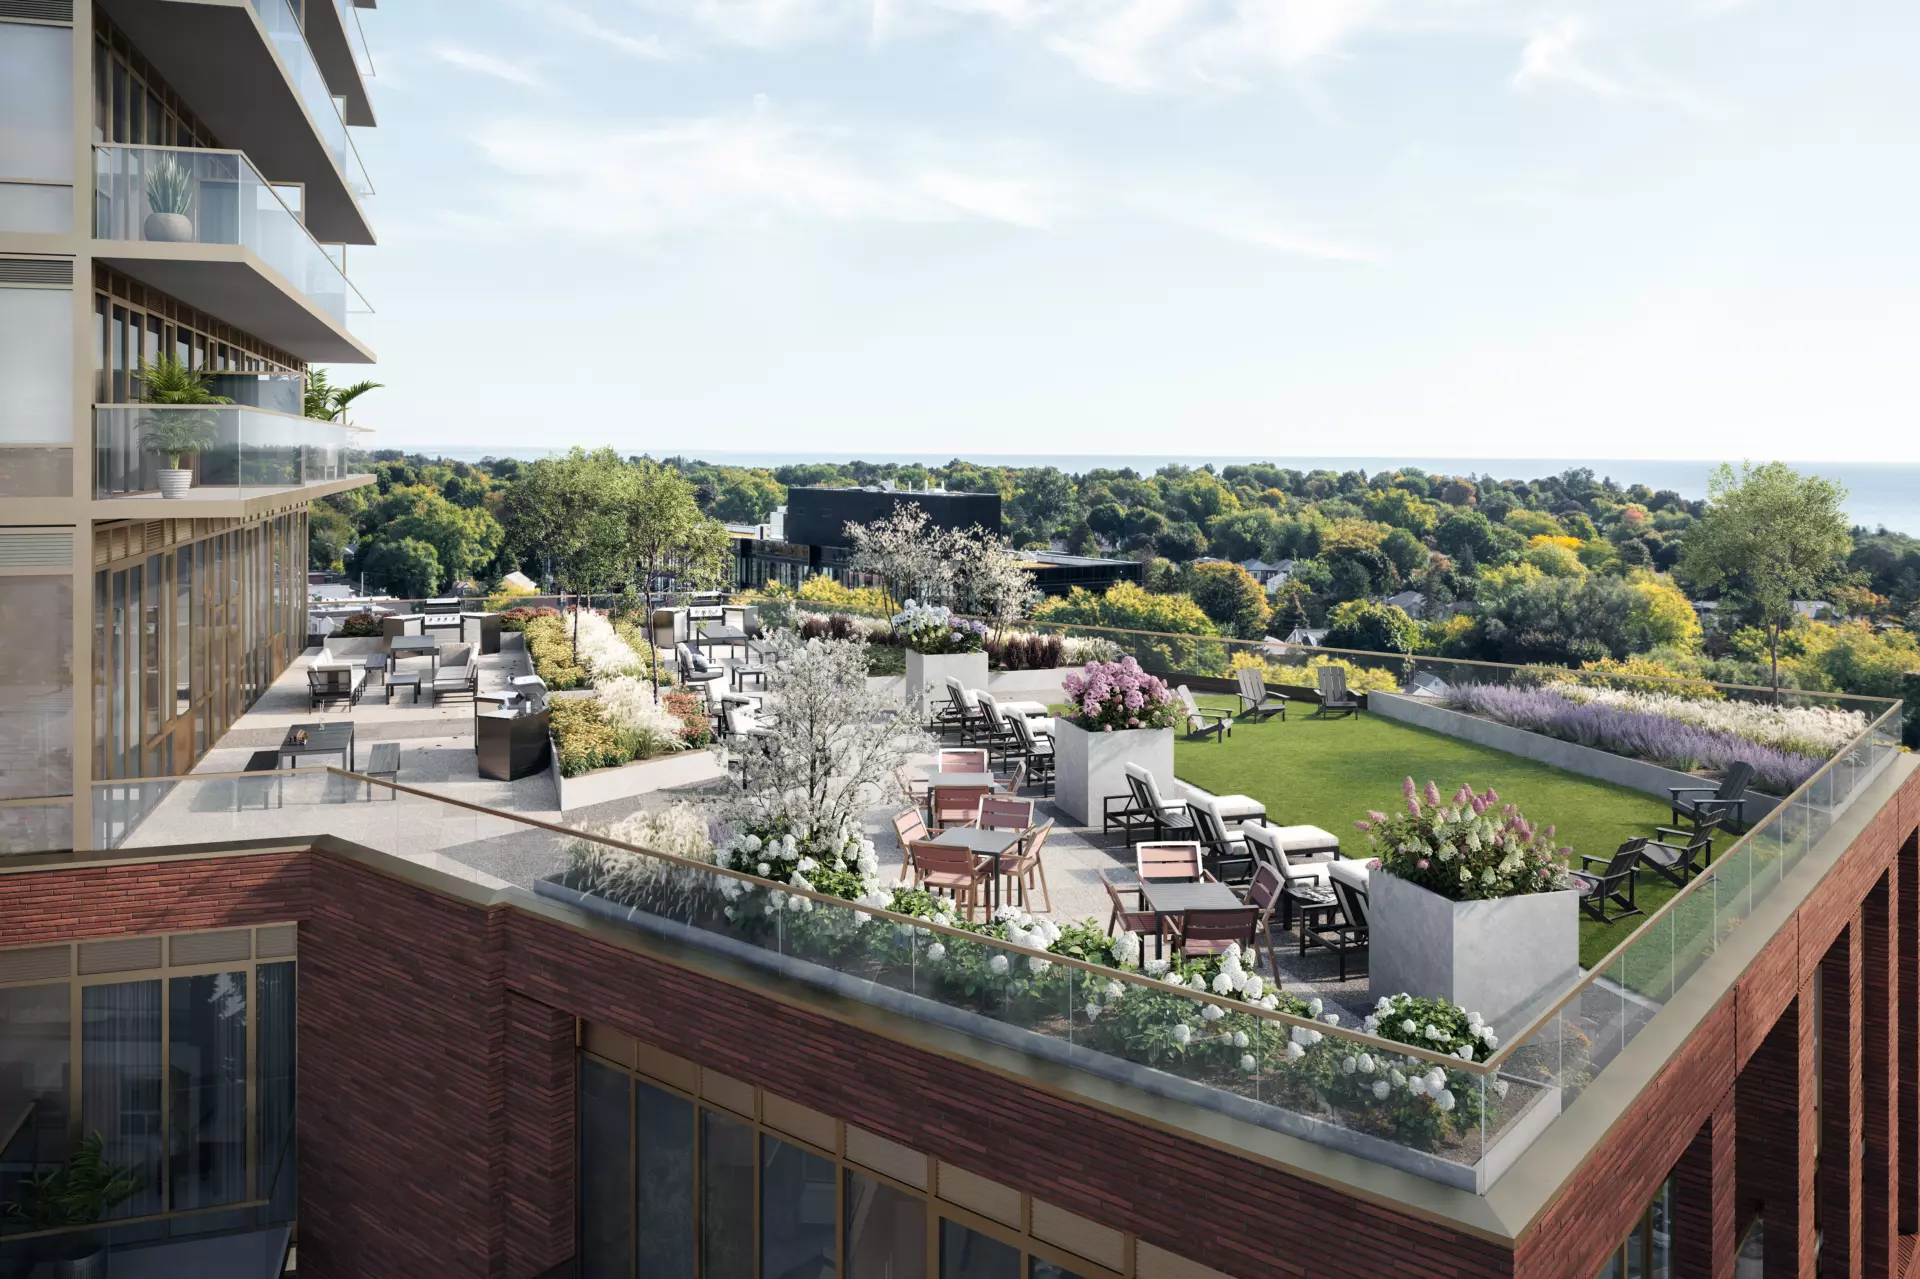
(1599, 228)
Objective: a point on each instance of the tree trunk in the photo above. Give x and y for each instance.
(1773, 656)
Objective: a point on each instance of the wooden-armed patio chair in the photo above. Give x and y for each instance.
(1612, 882)
(943, 869)
(1201, 722)
(1229, 857)
(1335, 697)
(963, 761)
(1728, 799)
(1264, 894)
(1256, 702)
(1003, 812)
(909, 828)
(1347, 935)
(1679, 855)
(1134, 919)
(913, 788)
(1024, 864)
(1016, 780)
(1212, 931)
(954, 805)
(1174, 860)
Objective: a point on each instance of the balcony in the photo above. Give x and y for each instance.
(251, 456)
(340, 48)
(248, 71)
(205, 227)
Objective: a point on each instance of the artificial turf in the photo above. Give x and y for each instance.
(1329, 772)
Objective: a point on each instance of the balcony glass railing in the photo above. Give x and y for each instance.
(356, 38)
(178, 195)
(290, 40)
(242, 450)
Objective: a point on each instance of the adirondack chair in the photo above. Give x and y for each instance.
(1612, 883)
(1335, 699)
(1202, 722)
(1255, 701)
(1728, 799)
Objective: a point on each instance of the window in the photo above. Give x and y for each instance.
(120, 1082)
(726, 1197)
(34, 1060)
(663, 1182)
(969, 1254)
(1647, 1251)
(207, 1070)
(798, 1213)
(605, 1234)
(886, 1230)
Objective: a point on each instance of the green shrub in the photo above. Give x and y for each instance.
(516, 619)
(552, 653)
(359, 626)
(584, 740)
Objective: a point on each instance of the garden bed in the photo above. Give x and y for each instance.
(896, 967)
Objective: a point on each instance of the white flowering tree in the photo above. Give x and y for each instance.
(828, 755)
(971, 570)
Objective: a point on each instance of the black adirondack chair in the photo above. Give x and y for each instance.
(1612, 884)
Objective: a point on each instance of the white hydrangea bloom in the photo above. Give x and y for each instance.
(1253, 988)
(1407, 1027)
(1365, 1063)
(1156, 966)
(1500, 1087)
(1348, 1066)
(1115, 990)
(1295, 1052)
(1093, 1010)
(1444, 1100)
(998, 964)
(1182, 1033)
(1247, 1063)
(1380, 1090)
(1239, 1039)
(1222, 983)
(1213, 1012)
(936, 952)
(1314, 1006)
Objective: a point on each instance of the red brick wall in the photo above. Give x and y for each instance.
(1842, 1104)
(1776, 1121)
(541, 1118)
(1880, 1067)
(152, 897)
(1703, 1199)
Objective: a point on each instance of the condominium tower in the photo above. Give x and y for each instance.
(177, 178)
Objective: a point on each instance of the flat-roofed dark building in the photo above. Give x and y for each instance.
(819, 516)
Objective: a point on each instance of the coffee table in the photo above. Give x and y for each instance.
(404, 679)
(1316, 906)
(321, 739)
(1166, 897)
(986, 845)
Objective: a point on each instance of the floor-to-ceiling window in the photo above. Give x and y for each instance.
(179, 1059)
(672, 1187)
(1647, 1251)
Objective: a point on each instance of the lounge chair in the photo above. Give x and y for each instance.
(335, 683)
(1301, 854)
(1232, 861)
(1335, 699)
(1143, 812)
(1255, 701)
(1036, 754)
(1202, 722)
(1347, 935)
(1727, 800)
(1681, 854)
(1612, 883)
(456, 681)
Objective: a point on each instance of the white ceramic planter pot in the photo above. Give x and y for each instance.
(1088, 767)
(175, 483)
(169, 228)
(926, 670)
(1497, 958)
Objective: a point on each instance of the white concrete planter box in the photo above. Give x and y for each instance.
(1497, 958)
(1088, 767)
(638, 777)
(926, 670)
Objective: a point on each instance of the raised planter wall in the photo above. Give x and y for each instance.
(930, 671)
(1088, 767)
(1496, 958)
(1634, 774)
(638, 777)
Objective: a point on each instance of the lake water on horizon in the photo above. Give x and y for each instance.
(1879, 493)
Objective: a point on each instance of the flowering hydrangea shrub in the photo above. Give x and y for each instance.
(1118, 695)
(933, 628)
(838, 865)
(1464, 848)
(1415, 1099)
(1659, 738)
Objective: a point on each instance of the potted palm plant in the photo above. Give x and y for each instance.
(80, 1192)
(185, 427)
(170, 197)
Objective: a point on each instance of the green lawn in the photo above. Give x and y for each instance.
(1328, 773)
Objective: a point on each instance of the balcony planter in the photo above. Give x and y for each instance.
(930, 671)
(174, 483)
(1496, 957)
(1089, 766)
(169, 228)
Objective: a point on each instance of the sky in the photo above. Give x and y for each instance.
(1473, 228)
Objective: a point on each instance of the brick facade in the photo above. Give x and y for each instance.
(437, 1087)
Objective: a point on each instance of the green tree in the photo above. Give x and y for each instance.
(668, 538)
(1126, 606)
(1770, 536)
(464, 539)
(1375, 628)
(1044, 505)
(1181, 542)
(744, 496)
(1467, 537)
(1407, 552)
(406, 567)
(1230, 598)
(329, 533)
(1246, 534)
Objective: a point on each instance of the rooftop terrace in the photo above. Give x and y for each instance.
(1086, 1025)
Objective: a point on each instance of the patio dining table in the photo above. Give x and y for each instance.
(332, 738)
(426, 646)
(1166, 897)
(939, 778)
(985, 845)
(732, 636)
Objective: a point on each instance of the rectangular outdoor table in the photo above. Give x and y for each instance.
(426, 646)
(322, 739)
(938, 778)
(988, 845)
(1166, 897)
(731, 636)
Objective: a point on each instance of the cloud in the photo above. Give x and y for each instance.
(753, 169)
(486, 64)
(581, 23)
(1561, 56)
(1252, 220)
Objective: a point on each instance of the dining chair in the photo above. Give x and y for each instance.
(941, 868)
(909, 827)
(1173, 861)
(1025, 862)
(1212, 931)
(1132, 919)
(963, 761)
(954, 805)
(1264, 894)
(1003, 812)
(914, 788)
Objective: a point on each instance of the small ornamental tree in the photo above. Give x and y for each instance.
(1464, 848)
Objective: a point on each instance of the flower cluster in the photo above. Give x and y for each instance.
(602, 652)
(1464, 848)
(839, 867)
(933, 628)
(1817, 731)
(1118, 695)
(1435, 1025)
